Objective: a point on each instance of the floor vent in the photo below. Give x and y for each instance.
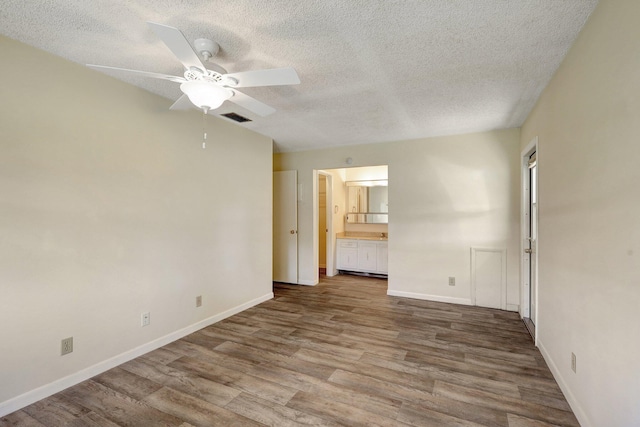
(236, 117)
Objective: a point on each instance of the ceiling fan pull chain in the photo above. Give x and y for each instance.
(204, 131)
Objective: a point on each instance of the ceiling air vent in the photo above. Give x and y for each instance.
(236, 117)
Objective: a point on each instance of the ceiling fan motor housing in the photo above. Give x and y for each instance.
(207, 48)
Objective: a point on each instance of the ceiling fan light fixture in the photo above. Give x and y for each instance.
(205, 94)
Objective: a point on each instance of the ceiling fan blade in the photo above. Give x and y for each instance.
(271, 77)
(176, 79)
(183, 103)
(178, 44)
(251, 104)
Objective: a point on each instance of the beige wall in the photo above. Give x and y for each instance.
(109, 207)
(446, 195)
(366, 173)
(588, 124)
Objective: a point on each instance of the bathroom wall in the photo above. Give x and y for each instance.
(365, 174)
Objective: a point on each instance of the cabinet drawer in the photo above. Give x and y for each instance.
(348, 244)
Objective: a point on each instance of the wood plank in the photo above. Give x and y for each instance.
(338, 412)
(55, 410)
(513, 406)
(20, 418)
(185, 382)
(415, 391)
(266, 413)
(304, 342)
(420, 416)
(520, 421)
(546, 398)
(93, 420)
(434, 373)
(282, 347)
(127, 383)
(239, 380)
(369, 346)
(195, 411)
(117, 407)
(285, 361)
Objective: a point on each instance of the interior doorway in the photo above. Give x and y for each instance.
(364, 224)
(324, 229)
(529, 310)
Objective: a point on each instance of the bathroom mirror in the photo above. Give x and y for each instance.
(367, 202)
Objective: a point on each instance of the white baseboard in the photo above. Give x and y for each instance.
(47, 390)
(575, 406)
(307, 282)
(438, 298)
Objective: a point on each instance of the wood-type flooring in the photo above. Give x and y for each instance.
(342, 353)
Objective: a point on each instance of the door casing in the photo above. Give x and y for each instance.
(525, 258)
(331, 271)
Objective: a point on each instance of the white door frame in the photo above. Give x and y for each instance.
(524, 244)
(329, 219)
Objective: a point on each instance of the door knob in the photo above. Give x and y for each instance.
(528, 251)
(292, 232)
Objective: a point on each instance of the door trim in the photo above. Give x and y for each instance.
(525, 213)
(330, 243)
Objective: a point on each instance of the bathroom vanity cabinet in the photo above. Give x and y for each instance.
(362, 255)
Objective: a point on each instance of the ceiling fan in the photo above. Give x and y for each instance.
(207, 89)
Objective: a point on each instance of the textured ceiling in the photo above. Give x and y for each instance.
(371, 70)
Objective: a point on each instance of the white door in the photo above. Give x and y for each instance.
(285, 227)
(529, 263)
(533, 236)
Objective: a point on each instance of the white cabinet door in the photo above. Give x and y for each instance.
(367, 258)
(382, 257)
(347, 254)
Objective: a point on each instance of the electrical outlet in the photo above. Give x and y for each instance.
(573, 362)
(199, 301)
(145, 319)
(452, 281)
(66, 346)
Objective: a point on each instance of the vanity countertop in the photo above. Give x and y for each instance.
(362, 235)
